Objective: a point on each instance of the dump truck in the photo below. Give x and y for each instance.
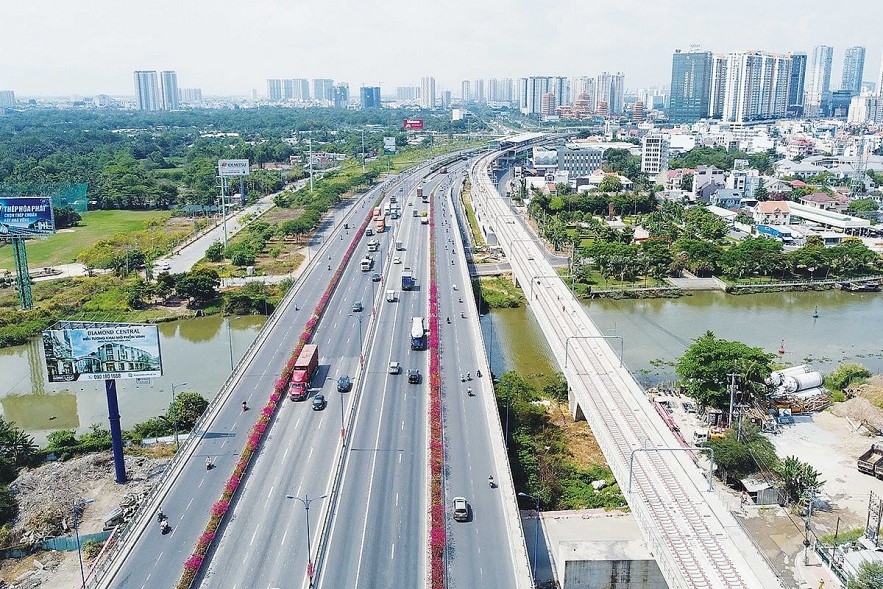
(418, 334)
(304, 370)
(366, 263)
(869, 461)
(407, 279)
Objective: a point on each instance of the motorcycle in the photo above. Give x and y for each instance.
(490, 482)
(462, 378)
(478, 373)
(449, 320)
(164, 527)
(468, 376)
(469, 392)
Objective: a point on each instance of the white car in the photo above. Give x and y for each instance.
(396, 260)
(164, 266)
(395, 368)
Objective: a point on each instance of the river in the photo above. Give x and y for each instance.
(195, 351)
(655, 332)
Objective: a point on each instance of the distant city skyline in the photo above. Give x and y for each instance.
(394, 43)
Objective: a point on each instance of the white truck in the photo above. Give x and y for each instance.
(367, 263)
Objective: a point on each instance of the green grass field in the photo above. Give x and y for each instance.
(62, 248)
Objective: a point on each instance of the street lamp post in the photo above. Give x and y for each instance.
(361, 343)
(77, 508)
(536, 538)
(306, 501)
(175, 412)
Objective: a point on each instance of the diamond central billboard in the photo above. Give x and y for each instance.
(101, 351)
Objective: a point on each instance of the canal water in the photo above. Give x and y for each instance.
(195, 351)
(849, 328)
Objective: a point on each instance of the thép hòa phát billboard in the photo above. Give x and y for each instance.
(233, 168)
(26, 216)
(413, 124)
(77, 351)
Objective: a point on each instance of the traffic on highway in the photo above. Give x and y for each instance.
(342, 475)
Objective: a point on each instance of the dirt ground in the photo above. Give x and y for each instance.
(44, 497)
(580, 439)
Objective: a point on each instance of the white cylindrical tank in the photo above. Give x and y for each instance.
(777, 377)
(798, 382)
(811, 393)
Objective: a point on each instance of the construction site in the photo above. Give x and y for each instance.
(829, 536)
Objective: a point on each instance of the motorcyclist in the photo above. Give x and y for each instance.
(208, 464)
(469, 391)
(449, 319)
(478, 373)
(244, 406)
(468, 376)
(160, 515)
(490, 480)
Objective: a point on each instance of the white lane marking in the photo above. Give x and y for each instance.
(397, 499)
(189, 503)
(392, 552)
(403, 425)
(285, 455)
(253, 536)
(400, 457)
(284, 535)
(310, 455)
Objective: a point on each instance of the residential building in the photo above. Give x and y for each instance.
(147, 90)
(274, 90)
(427, 92)
(446, 99)
(407, 93)
(478, 91)
(880, 79)
(370, 96)
(341, 96)
(865, 110)
(750, 86)
(654, 153)
(853, 70)
(548, 104)
(840, 100)
(726, 198)
(7, 98)
(169, 90)
(297, 89)
(690, 86)
(611, 89)
(323, 89)
(706, 180)
(190, 95)
(744, 181)
(772, 212)
(797, 86)
(583, 91)
(466, 91)
(818, 84)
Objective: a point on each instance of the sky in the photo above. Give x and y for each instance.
(86, 47)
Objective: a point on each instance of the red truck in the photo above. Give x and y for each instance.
(302, 375)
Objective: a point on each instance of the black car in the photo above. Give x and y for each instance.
(319, 402)
(344, 384)
(413, 376)
(375, 277)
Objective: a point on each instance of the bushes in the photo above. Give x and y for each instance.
(847, 375)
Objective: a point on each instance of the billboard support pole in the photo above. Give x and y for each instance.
(23, 279)
(116, 433)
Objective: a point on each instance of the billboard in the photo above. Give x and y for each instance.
(233, 168)
(77, 350)
(26, 216)
(389, 144)
(413, 124)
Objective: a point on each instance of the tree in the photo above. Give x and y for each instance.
(8, 506)
(799, 479)
(187, 409)
(199, 286)
(215, 252)
(870, 576)
(65, 217)
(761, 193)
(610, 184)
(706, 365)
(16, 445)
(745, 454)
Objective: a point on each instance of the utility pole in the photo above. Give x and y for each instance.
(732, 388)
(311, 161)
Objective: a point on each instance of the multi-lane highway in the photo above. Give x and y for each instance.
(360, 464)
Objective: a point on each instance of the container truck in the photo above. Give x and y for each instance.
(304, 369)
(367, 263)
(407, 279)
(380, 224)
(418, 334)
(378, 212)
(419, 192)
